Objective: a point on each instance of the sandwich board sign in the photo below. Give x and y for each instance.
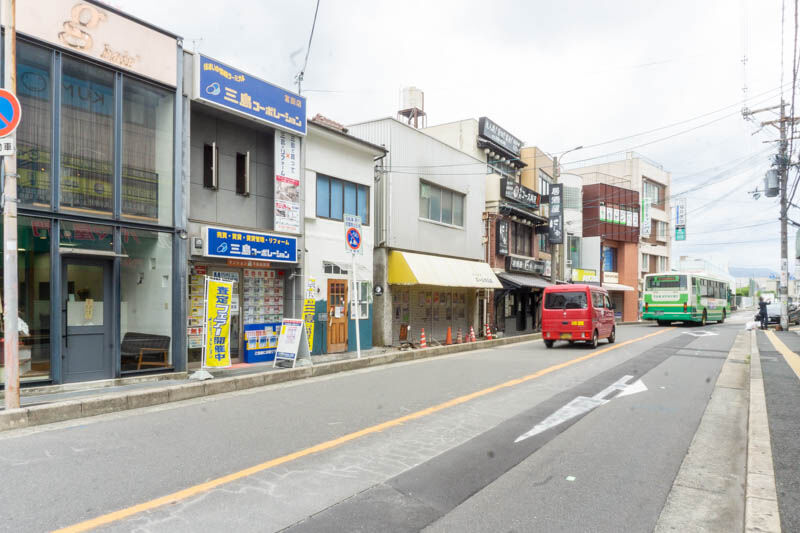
(292, 341)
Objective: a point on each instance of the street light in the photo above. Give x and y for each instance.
(557, 261)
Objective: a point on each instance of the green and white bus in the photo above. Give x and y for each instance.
(686, 297)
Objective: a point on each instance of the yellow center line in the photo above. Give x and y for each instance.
(327, 445)
(791, 358)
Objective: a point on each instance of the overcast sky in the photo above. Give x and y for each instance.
(555, 73)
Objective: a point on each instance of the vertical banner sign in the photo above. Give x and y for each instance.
(308, 311)
(287, 182)
(646, 222)
(555, 233)
(680, 219)
(217, 324)
(502, 237)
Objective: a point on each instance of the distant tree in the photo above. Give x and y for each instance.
(743, 291)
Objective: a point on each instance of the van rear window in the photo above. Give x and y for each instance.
(565, 300)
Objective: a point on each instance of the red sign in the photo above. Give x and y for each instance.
(10, 112)
(247, 263)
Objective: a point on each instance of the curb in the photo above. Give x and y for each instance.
(761, 498)
(97, 405)
(708, 493)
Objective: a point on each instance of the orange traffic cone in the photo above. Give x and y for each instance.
(422, 343)
(488, 332)
(459, 340)
(449, 340)
(471, 334)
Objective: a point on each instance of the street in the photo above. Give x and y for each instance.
(405, 447)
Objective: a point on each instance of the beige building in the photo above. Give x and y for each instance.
(653, 182)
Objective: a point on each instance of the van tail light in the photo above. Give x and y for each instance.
(684, 307)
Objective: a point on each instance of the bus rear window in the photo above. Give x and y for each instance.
(565, 300)
(666, 282)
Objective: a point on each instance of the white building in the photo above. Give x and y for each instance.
(340, 179)
(654, 183)
(429, 201)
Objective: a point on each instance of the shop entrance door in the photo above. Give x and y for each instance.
(87, 303)
(337, 315)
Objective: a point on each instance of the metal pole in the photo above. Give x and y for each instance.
(10, 277)
(784, 175)
(554, 255)
(357, 310)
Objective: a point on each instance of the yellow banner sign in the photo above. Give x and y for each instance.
(308, 311)
(218, 323)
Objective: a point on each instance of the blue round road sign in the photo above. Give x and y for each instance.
(10, 112)
(353, 239)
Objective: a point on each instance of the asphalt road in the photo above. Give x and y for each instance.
(427, 444)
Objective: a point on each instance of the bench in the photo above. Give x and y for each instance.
(145, 349)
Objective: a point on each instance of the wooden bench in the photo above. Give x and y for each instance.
(136, 347)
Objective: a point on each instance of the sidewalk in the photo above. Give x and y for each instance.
(45, 405)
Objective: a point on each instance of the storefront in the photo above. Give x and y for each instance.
(518, 306)
(97, 160)
(259, 272)
(435, 293)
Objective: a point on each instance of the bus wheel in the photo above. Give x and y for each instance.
(549, 344)
(721, 320)
(703, 320)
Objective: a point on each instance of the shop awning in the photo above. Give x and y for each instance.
(516, 281)
(617, 287)
(407, 268)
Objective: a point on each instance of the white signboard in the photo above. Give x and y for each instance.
(617, 215)
(602, 213)
(629, 218)
(287, 182)
(680, 212)
(293, 331)
(635, 219)
(646, 222)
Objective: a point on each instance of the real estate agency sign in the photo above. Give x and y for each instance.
(287, 182)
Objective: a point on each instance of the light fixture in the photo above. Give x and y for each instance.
(182, 235)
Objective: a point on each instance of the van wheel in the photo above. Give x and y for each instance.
(549, 344)
(613, 336)
(704, 319)
(593, 343)
(721, 320)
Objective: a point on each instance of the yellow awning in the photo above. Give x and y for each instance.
(406, 268)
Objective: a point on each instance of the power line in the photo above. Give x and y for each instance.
(302, 73)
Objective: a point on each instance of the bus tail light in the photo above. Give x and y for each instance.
(646, 307)
(684, 307)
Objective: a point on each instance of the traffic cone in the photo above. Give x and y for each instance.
(422, 343)
(488, 332)
(471, 334)
(449, 340)
(459, 340)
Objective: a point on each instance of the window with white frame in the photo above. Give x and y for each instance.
(441, 205)
(645, 262)
(364, 299)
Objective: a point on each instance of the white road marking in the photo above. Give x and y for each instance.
(583, 404)
(702, 333)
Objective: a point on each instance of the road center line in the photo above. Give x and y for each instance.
(327, 445)
(791, 358)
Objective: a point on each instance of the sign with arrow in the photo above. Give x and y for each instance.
(583, 404)
(701, 333)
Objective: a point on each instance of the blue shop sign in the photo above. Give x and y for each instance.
(234, 244)
(224, 86)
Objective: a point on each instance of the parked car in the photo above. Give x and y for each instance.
(774, 313)
(577, 313)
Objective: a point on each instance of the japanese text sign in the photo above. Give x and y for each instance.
(217, 323)
(352, 233)
(229, 243)
(224, 86)
(287, 182)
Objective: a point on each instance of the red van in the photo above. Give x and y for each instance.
(577, 313)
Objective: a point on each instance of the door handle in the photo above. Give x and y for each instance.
(66, 322)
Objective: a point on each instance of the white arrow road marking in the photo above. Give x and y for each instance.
(583, 404)
(700, 333)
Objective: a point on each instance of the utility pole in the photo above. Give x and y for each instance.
(10, 273)
(558, 257)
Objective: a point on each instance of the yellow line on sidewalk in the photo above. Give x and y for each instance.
(327, 445)
(791, 358)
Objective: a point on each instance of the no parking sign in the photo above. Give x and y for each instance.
(352, 233)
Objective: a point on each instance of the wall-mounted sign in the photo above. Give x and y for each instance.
(610, 277)
(236, 244)
(556, 225)
(287, 182)
(502, 237)
(234, 90)
(680, 234)
(645, 229)
(522, 264)
(491, 131)
(103, 35)
(512, 190)
(581, 274)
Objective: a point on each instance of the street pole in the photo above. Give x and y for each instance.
(10, 277)
(784, 177)
(357, 310)
(558, 257)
